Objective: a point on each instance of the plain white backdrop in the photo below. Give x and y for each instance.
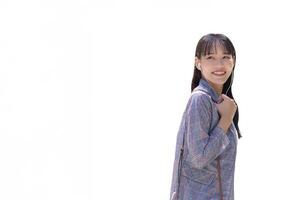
(92, 94)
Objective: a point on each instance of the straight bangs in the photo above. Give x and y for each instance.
(209, 44)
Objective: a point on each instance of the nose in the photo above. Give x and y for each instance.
(221, 61)
(219, 68)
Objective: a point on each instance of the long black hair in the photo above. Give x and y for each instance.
(204, 46)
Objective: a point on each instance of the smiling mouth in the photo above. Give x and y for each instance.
(219, 73)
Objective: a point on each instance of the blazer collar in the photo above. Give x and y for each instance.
(206, 87)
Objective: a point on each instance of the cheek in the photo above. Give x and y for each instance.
(206, 68)
(229, 69)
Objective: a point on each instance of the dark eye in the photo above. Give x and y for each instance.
(226, 57)
(209, 57)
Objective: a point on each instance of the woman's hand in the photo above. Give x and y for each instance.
(226, 109)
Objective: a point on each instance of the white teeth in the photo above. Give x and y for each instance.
(219, 73)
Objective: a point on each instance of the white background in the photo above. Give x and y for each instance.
(92, 93)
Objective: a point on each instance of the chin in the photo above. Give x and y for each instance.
(218, 81)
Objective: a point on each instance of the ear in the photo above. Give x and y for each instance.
(197, 63)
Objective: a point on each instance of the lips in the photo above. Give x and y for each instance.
(220, 73)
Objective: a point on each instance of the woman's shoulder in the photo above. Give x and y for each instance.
(199, 95)
(199, 98)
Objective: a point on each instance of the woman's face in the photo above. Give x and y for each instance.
(216, 67)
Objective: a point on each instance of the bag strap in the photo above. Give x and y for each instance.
(219, 176)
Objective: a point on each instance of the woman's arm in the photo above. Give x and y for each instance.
(224, 124)
(203, 145)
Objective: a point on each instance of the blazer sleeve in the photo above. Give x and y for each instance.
(204, 143)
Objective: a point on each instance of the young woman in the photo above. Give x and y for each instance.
(207, 138)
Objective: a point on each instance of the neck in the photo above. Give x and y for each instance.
(218, 88)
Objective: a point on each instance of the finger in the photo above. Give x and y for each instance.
(225, 96)
(235, 103)
(220, 100)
